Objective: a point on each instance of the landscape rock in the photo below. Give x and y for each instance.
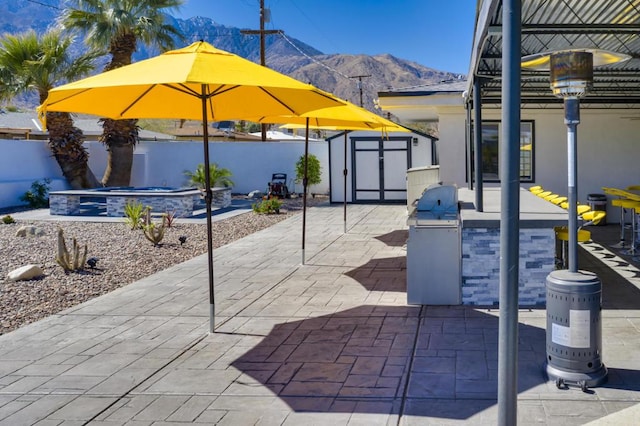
(29, 231)
(26, 272)
(125, 256)
(255, 195)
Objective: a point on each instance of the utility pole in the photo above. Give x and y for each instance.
(262, 32)
(360, 77)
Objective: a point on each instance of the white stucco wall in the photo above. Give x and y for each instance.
(608, 148)
(21, 163)
(163, 164)
(451, 146)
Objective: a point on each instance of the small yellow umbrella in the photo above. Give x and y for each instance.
(343, 117)
(198, 82)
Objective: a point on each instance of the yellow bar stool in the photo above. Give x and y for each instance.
(559, 200)
(637, 212)
(544, 194)
(591, 217)
(551, 197)
(624, 205)
(562, 235)
(536, 189)
(580, 208)
(635, 208)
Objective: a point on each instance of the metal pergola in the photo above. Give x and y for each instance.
(551, 25)
(505, 32)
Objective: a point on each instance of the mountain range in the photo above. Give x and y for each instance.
(335, 73)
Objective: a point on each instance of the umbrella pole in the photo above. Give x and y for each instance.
(344, 172)
(304, 188)
(208, 198)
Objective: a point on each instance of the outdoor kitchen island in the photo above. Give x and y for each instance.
(475, 263)
(480, 246)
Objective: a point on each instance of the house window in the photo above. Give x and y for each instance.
(491, 131)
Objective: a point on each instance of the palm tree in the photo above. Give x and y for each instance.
(32, 63)
(218, 176)
(117, 26)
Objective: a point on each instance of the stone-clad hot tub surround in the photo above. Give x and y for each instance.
(180, 201)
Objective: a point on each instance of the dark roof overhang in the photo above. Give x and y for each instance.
(552, 25)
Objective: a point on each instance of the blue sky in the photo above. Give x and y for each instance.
(434, 33)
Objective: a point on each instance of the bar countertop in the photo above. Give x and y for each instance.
(535, 212)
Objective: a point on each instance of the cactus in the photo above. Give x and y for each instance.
(153, 232)
(70, 261)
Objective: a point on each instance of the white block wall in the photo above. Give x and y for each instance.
(162, 163)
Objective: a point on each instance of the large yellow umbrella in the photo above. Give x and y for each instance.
(343, 117)
(198, 82)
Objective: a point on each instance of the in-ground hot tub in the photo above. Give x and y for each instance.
(179, 201)
(141, 189)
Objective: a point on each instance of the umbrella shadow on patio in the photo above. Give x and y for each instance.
(397, 238)
(385, 274)
(378, 359)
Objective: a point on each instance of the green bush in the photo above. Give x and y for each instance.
(7, 220)
(314, 170)
(38, 196)
(269, 206)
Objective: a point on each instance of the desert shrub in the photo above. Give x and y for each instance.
(38, 196)
(134, 213)
(218, 176)
(269, 206)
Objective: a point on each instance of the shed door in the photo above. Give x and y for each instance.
(380, 169)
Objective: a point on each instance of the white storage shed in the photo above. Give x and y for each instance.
(376, 165)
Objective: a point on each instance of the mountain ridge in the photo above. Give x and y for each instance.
(334, 73)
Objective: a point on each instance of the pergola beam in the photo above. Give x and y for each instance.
(572, 29)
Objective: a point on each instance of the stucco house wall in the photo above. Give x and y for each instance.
(608, 147)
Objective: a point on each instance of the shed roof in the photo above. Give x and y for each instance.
(551, 25)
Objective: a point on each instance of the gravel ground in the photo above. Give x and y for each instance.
(124, 256)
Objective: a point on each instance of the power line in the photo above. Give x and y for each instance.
(311, 58)
(45, 4)
(312, 22)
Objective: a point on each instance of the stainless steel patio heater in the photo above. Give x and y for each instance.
(574, 330)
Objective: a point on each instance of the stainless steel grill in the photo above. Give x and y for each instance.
(438, 205)
(433, 248)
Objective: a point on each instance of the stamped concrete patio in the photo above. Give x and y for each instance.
(329, 342)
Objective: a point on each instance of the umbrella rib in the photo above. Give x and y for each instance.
(189, 91)
(62, 99)
(184, 89)
(219, 90)
(142, 95)
(277, 100)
